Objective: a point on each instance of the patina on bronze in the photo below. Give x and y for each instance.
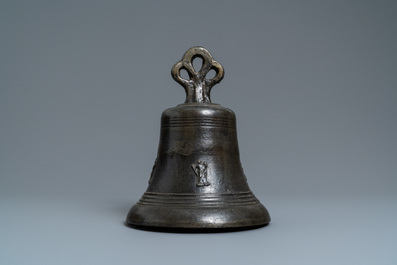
(197, 182)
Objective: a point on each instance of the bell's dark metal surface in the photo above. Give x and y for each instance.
(197, 182)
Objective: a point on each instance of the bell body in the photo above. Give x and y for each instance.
(197, 181)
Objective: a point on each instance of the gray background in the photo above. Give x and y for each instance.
(314, 88)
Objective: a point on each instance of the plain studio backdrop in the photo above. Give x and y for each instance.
(314, 88)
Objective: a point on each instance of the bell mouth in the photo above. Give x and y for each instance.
(198, 219)
(193, 230)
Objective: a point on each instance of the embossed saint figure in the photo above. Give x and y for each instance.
(200, 169)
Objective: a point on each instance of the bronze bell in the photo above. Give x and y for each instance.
(197, 182)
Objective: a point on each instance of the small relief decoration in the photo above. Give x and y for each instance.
(200, 169)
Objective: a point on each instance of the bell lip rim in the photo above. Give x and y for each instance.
(241, 218)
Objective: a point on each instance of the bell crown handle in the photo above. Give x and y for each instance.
(197, 88)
